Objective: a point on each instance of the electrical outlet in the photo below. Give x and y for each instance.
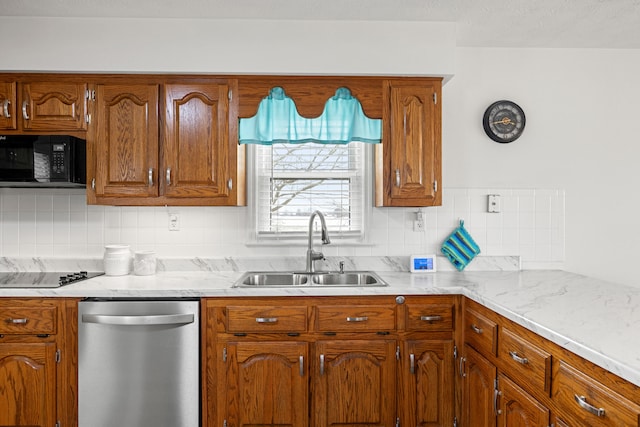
(418, 225)
(174, 222)
(494, 203)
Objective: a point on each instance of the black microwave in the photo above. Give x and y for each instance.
(42, 161)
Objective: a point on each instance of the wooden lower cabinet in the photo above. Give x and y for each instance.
(427, 372)
(478, 390)
(354, 383)
(266, 383)
(28, 384)
(516, 407)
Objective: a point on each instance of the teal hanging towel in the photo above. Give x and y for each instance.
(460, 248)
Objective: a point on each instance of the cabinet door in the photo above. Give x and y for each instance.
(8, 105)
(54, 106)
(199, 160)
(355, 383)
(426, 396)
(125, 149)
(478, 394)
(27, 385)
(517, 408)
(267, 384)
(412, 144)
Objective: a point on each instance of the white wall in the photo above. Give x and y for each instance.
(582, 135)
(582, 106)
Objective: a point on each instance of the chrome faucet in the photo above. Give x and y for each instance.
(311, 254)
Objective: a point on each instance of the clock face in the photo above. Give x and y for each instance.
(503, 121)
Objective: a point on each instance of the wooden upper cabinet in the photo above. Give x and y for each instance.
(124, 150)
(198, 153)
(53, 106)
(8, 102)
(408, 172)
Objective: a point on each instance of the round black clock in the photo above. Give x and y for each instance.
(503, 121)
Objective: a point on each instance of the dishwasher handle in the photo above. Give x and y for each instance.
(167, 319)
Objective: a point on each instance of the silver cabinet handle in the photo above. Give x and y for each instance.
(168, 176)
(582, 401)
(461, 364)
(93, 184)
(22, 321)
(435, 318)
(301, 366)
(476, 329)
(522, 360)
(266, 319)
(169, 319)
(397, 177)
(357, 319)
(322, 364)
(5, 107)
(25, 114)
(496, 393)
(150, 177)
(412, 363)
(230, 184)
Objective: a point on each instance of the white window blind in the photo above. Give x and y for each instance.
(293, 180)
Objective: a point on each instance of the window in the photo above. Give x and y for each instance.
(290, 181)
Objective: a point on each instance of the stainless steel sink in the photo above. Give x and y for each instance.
(279, 279)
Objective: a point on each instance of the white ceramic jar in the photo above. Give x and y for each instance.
(144, 263)
(117, 260)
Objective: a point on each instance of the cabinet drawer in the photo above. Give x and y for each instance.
(355, 318)
(28, 320)
(480, 332)
(525, 362)
(266, 319)
(429, 317)
(585, 401)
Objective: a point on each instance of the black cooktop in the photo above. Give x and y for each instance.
(41, 279)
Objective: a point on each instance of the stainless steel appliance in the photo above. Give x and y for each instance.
(42, 161)
(42, 279)
(139, 363)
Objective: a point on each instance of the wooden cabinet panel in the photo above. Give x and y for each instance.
(28, 320)
(197, 156)
(429, 317)
(125, 149)
(267, 384)
(266, 319)
(27, 385)
(478, 393)
(584, 401)
(8, 103)
(355, 318)
(54, 106)
(411, 169)
(517, 408)
(427, 373)
(525, 362)
(354, 381)
(480, 332)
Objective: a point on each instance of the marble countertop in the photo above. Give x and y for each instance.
(592, 318)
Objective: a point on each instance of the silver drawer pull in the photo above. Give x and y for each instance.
(582, 401)
(357, 319)
(397, 177)
(435, 318)
(22, 321)
(301, 359)
(412, 366)
(476, 329)
(150, 177)
(5, 107)
(522, 360)
(266, 319)
(322, 364)
(25, 114)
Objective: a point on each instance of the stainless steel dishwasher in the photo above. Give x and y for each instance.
(138, 363)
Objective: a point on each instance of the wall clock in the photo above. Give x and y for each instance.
(503, 121)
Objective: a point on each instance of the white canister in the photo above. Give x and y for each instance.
(144, 263)
(117, 260)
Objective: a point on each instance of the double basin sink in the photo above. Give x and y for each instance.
(281, 279)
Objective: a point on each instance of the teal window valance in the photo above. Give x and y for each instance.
(278, 121)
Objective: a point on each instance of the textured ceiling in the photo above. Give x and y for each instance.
(488, 23)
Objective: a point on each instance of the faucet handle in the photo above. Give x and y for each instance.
(341, 267)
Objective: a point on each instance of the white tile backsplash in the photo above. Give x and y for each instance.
(58, 223)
